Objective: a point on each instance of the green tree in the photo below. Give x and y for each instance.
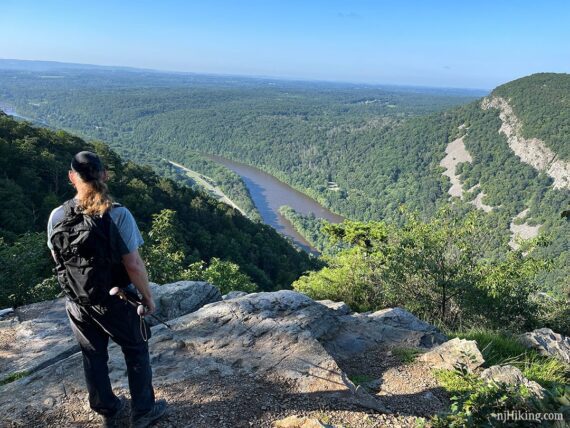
(436, 269)
(23, 264)
(223, 274)
(163, 254)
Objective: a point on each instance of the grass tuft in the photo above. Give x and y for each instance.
(360, 379)
(14, 377)
(406, 355)
(502, 348)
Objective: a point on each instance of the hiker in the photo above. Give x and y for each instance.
(94, 243)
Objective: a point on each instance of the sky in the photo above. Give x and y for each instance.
(467, 44)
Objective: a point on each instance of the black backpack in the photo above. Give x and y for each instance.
(88, 263)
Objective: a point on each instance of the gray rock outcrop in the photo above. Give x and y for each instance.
(234, 295)
(278, 337)
(548, 343)
(356, 333)
(36, 336)
(510, 375)
(453, 353)
(181, 298)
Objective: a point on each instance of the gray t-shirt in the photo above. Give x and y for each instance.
(129, 233)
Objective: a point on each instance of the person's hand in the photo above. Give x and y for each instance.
(149, 306)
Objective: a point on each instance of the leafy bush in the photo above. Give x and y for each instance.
(166, 261)
(478, 403)
(23, 263)
(48, 289)
(164, 253)
(223, 274)
(441, 270)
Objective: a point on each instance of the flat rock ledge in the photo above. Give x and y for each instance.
(275, 337)
(35, 336)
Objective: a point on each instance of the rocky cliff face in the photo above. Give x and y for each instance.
(283, 342)
(530, 150)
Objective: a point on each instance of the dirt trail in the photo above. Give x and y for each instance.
(247, 401)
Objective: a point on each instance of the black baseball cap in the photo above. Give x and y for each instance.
(88, 165)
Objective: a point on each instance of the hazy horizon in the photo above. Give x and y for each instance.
(244, 76)
(437, 44)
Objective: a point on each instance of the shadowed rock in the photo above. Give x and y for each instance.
(234, 295)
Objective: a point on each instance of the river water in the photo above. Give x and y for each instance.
(269, 194)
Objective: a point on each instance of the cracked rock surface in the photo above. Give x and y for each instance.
(274, 338)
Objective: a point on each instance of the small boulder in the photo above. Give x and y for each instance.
(181, 298)
(510, 375)
(453, 353)
(548, 343)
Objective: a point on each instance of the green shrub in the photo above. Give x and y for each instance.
(549, 372)
(223, 274)
(440, 270)
(477, 403)
(474, 401)
(48, 289)
(166, 261)
(23, 263)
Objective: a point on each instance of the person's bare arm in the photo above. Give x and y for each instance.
(139, 277)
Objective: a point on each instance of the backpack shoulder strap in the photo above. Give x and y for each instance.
(70, 208)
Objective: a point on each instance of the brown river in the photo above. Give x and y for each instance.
(269, 194)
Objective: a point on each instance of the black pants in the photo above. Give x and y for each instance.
(93, 326)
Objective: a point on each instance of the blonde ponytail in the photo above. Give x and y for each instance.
(95, 199)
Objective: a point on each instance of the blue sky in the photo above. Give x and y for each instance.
(475, 44)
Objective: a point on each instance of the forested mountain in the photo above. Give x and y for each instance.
(381, 146)
(297, 131)
(34, 164)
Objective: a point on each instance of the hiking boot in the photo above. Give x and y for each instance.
(157, 411)
(117, 419)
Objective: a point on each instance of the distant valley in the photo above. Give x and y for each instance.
(380, 147)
